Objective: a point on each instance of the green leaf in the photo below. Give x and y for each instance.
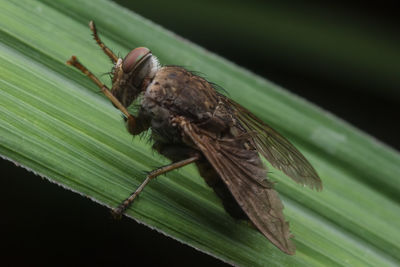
(54, 122)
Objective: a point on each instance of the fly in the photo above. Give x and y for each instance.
(192, 123)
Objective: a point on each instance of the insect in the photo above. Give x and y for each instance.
(192, 123)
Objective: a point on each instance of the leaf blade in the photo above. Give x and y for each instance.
(35, 81)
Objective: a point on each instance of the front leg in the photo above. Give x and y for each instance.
(73, 61)
(135, 125)
(138, 124)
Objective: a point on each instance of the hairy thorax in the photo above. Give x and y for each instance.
(175, 91)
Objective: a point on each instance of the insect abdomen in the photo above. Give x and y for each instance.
(215, 182)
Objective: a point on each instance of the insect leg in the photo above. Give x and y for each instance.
(106, 50)
(164, 169)
(73, 61)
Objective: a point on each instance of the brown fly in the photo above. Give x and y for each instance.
(192, 123)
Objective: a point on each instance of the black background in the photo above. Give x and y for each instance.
(58, 227)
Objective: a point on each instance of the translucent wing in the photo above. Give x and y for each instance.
(244, 174)
(275, 148)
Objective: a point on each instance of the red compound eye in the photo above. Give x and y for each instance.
(133, 58)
